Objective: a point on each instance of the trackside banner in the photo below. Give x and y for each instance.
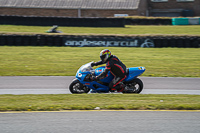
(109, 43)
(156, 41)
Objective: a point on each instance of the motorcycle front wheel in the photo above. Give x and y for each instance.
(77, 88)
(135, 85)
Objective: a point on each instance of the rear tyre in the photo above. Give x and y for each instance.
(135, 85)
(77, 88)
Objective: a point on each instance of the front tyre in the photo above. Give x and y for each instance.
(77, 88)
(135, 86)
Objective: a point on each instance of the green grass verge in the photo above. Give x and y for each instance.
(104, 101)
(177, 30)
(65, 61)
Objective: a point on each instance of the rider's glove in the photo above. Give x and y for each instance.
(93, 64)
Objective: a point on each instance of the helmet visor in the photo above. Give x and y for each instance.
(103, 58)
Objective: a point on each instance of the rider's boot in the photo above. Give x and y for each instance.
(120, 87)
(123, 88)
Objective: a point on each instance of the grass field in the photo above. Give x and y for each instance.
(161, 30)
(104, 101)
(65, 61)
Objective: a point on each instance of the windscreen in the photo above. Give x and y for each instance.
(87, 67)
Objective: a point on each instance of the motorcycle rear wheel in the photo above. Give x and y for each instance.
(136, 86)
(77, 88)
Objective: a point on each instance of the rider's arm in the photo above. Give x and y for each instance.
(97, 63)
(103, 74)
(106, 70)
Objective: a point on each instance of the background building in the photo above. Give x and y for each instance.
(100, 8)
(73, 8)
(174, 8)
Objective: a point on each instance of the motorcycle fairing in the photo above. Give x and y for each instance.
(94, 85)
(86, 69)
(134, 72)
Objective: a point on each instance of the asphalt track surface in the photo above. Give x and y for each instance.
(98, 121)
(60, 84)
(101, 122)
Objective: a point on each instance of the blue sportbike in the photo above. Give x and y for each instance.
(83, 83)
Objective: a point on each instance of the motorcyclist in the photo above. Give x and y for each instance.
(115, 66)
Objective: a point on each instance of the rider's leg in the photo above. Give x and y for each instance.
(116, 84)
